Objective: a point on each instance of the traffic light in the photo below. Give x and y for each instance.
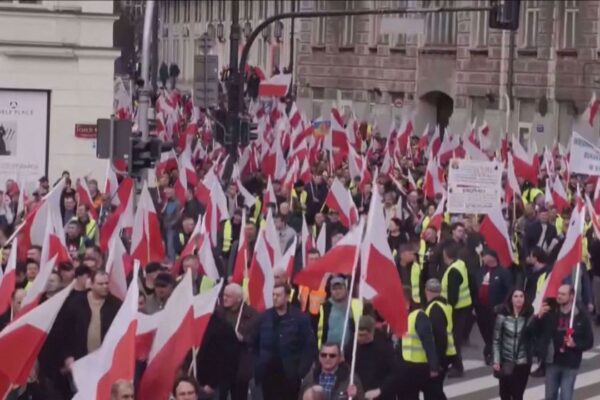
(248, 131)
(145, 154)
(505, 14)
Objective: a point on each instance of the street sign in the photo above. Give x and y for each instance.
(113, 137)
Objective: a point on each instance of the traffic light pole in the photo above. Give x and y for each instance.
(144, 93)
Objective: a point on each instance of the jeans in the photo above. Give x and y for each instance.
(560, 378)
(460, 321)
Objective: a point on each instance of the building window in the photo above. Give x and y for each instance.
(177, 16)
(440, 27)
(318, 95)
(175, 51)
(276, 58)
(186, 10)
(184, 60)
(387, 39)
(279, 7)
(165, 9)
(530, 27)
(321, 28)
(479, 26)
(569, 28)
(248, 10)
(347, 31)
(197, 11)
(209, 10)
(263, 9)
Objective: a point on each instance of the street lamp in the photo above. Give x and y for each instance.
(210, 31)
(221, 31)
(247, 29)
(278, 31)
(266, 33)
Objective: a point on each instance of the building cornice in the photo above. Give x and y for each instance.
(51, 50)
(56, 12)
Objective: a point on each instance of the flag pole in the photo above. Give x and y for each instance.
(575, 288)
(351, 289)
(239, 317)
(353, 362)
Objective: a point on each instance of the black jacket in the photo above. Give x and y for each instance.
(376, 366)
(439, 323)
(246, 328)
(77, 320)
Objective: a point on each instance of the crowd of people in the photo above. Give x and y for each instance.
(302, 347)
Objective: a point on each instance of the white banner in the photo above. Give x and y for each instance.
(585, 157)
(23, 135)
(474, 187)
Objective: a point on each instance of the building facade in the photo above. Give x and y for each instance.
(183, 22)
(455, 69)
(65, 50)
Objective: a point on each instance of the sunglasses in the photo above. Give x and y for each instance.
(328, 355)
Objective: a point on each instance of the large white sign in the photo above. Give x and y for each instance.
(585, 157)
(23, 135)
(474, 187)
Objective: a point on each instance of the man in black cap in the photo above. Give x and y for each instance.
(163, 287)
(493, 284)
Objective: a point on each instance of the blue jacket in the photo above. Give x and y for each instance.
(500, 284)
(293, 345)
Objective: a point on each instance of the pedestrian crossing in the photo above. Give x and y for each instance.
(479, 384)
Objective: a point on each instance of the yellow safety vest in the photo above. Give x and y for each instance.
(540, 284)
(303, 197)
(422, 251)
(559, 224)
(529, 195)
(415, 282)
(464, 296)
(311, 300)
(227, 236)
(257, 208)
(206, 284)
(412, 348)
(356, 306)
(450, 349)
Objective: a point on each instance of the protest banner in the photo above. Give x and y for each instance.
(585, 157)
(474, 186)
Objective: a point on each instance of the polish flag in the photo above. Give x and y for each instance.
(355, 163)
(34, 227)
(405, 132)
(591, 212)
(291, 177)
(379, 279)
(95, 373)
(286, 262)
(146, 239)
(308, 242)
(433, 182)
(526, 165)
(339, 199)
(8, 279)
(339, 260)
(118, 267)
(438, 216)
(559, 195)
(295, 117)
(592, 109)
(275, 86)
(111, 184)
(338, 136)
(321, 243)
(216, 211)
(204, 307)
(83, 193)
(145, 332)
(570, 253)
(424, 139)
(122, 217)
(22, 340)
(305, 175)
(207, 260)
(512, 187)
(249, 198)
(167, 162)
(190, 246)
(472, 146)
(261, 279)
(495, 232)
(268, 196)
(240, 267)
(449, 147)
(299, 152)
(548, 193)
(173, 338)
(272, 239)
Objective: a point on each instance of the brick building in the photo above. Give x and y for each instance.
(457, 68)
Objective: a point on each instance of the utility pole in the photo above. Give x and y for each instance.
(235, 91)
(144, 96)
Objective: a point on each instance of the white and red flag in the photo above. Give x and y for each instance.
(173, 338)
(559, 195)
(340, 200)
(526, 164)
(95, 373)
(433, 182)
(308, 242)
(118, 266)
(84, 196)
(437, 218)
(339, 260)
(111, 184)
(591, 110)
(22, 340)
(495, 232)
(275, 86)
(122, 217)
(240, 266)
(146, 239)
(512, 187)
(261, 278)
(8, 278)
(593, 216)
(379, 279)
(204, 306)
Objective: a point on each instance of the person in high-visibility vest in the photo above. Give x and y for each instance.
(420, 361)
(410, 272)
(230, 233)
(332, 325)
(455, 288)
(440, 315)
(311, 300)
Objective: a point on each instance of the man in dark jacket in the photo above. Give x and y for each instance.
(316, 191)
(541, 233)
(284, 348)
(493, 284)
(242, 318)
(88, 318)
(375, 362)
(535, 272)
(565, 344)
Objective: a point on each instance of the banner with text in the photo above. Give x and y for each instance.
(474, 187)
(585, 157)
(23, 135)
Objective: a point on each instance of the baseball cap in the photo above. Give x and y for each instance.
(337, 280)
